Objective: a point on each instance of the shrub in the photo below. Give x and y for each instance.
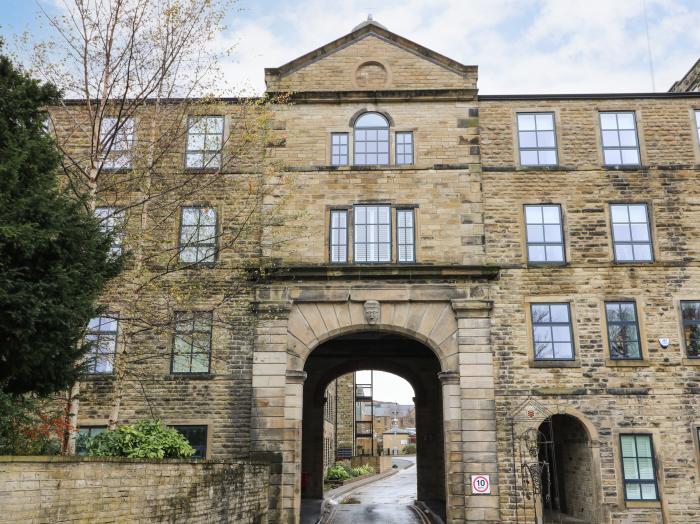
(28, 427)
(145, 439)
(410, 449)
(362, 470)
(337, 472)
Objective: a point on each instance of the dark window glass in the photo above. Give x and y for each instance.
(551, 332)
(619, 132)
(198, 235)
(631, 233)
(192, 342)
(339, 149)
(372, 233)
(101, 338)
(623, 330)
(112, 221)
(537, 139)
(405, 235)
(197, 437)
(690, 311)
(371, 140)
(404, 147)
(205, 139)
(85, 432)
(339, 236)
(545, 234)
(116, 141)
(639, 467)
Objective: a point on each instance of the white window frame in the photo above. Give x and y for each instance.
(618, 242)
(614, 142)
(546, 228)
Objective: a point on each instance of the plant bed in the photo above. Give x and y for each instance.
(338, 483)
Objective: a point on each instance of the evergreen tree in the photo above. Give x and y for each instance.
(53, 258)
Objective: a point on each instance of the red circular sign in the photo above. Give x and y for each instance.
(480, 484)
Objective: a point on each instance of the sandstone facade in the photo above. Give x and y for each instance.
(456, 320)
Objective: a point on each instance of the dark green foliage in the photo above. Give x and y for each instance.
(27, 427)
(145, 439)
(53, 258)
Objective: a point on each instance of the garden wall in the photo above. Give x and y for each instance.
(77, 489)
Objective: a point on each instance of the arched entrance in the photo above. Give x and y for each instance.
(383, 351)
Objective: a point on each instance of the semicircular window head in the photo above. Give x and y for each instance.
(371, 140)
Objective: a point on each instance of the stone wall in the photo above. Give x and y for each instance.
(62, 489)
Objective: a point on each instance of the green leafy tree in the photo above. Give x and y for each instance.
(146, 439)
(53, 258)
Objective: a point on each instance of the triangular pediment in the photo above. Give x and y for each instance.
(370, 58)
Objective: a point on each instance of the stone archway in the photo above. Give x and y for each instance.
(295, 320)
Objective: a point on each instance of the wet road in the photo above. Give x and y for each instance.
(389, 501)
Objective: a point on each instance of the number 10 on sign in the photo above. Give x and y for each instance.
(481, 485)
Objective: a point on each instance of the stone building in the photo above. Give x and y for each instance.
(529, 263)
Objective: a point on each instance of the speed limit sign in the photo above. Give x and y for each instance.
(481, 485)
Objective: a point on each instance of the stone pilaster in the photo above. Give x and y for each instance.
(478, 409)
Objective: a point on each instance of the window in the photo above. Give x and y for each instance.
(198, 235)
(372, 234)
(623, 330)
(371, 140)
(192, 342)
(690, 311)
(631, 234)
(537, 139)
(86, 432)
(405, 235)
(205, 138)
(404, 147)
(197, 437)
(101, 338)
(545, 235)
(116, 141)
(638, 467)
(112, 223)
(620, 144)
(551, 332)
(339, 235)
(697, 123)
(339, 149)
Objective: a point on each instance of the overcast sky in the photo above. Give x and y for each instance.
(520, 46)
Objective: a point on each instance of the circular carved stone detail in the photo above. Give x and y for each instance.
(371, 75)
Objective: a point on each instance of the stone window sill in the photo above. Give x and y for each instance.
(631, 363)
(555, 364)
(189, 376)
(640, 504)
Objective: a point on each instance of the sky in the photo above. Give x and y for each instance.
(387, 387)
(520, 46)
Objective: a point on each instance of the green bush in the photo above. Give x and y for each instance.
(362, 470)
(145, 439)
(410, 449)
(337, 472)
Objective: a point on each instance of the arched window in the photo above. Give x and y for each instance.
(371, 140)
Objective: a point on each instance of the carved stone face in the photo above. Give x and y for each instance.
(372, 311)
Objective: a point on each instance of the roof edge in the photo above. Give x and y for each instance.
(588, 96)
(361, 32)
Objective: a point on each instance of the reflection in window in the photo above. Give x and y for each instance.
(197, 437)
(631, 234)
(551, 332)
(101, 338)
(623, 330)
(116, 141)
(112, 223)
(404, 148)
(638, 467)
(205, 138)
(620, 145)
(192, 342)
(339, 149)
(198, 235)
(371, 140)
(84, 433)
(545, 235)
(690, 311)
(537, 139)
(372, 233)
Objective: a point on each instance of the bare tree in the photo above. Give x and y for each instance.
(141, 137)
